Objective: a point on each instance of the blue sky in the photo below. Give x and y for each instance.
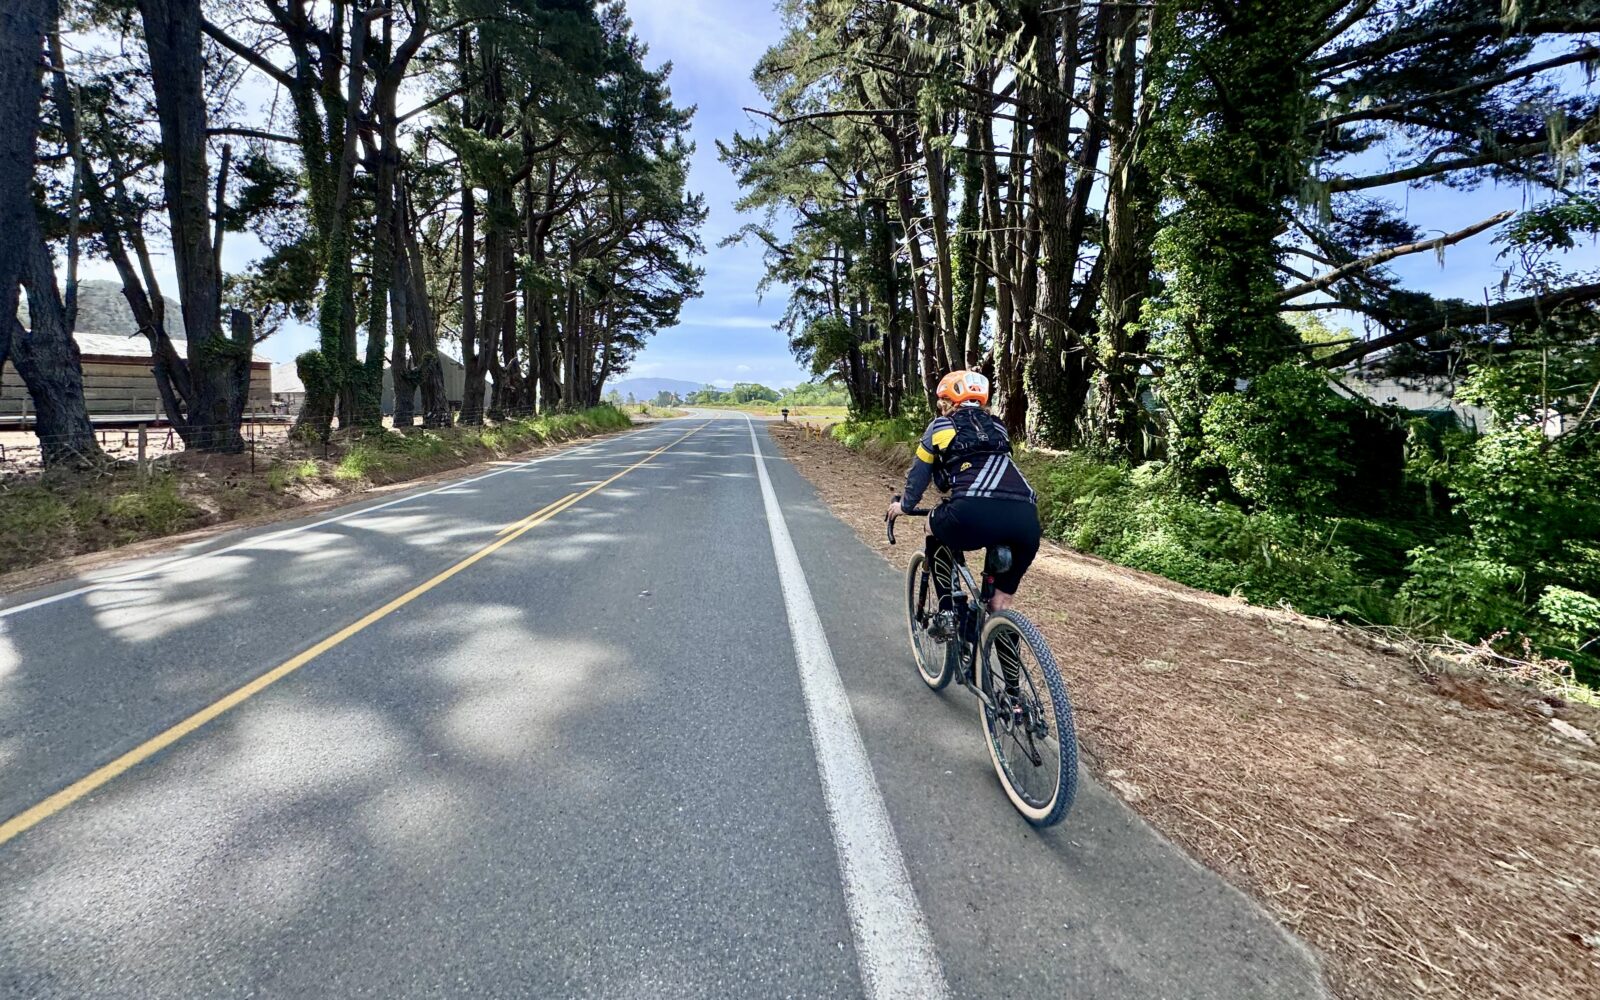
(727, 335)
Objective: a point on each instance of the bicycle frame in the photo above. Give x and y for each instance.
(975, 607)
(976, 610)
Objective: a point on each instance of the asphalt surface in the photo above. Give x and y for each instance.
(585, 764)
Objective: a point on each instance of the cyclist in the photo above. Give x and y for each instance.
(965, 451)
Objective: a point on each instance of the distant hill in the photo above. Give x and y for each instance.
(645, 389)
(103, 310)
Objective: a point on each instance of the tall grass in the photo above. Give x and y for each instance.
(43, 521)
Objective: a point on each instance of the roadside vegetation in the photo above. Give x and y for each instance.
(41, 521)
(67, 512)
(385, 455)
(1480, 542)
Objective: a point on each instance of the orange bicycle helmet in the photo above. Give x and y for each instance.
(964, 387)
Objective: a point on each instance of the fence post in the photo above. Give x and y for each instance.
(144, 443)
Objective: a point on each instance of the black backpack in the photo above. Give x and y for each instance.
(978, 435)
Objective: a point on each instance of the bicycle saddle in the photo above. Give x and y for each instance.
(998, 562)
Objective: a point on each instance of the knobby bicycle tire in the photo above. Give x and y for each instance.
(1038, 810)
(919, 589)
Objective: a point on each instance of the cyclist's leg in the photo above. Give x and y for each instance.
(943, 545)
(1018, 524)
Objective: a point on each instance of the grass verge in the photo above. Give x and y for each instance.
(44, 518)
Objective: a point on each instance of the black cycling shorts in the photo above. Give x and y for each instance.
(967, 524)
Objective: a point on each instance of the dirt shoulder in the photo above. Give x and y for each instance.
(223, 493)
(1430, 835)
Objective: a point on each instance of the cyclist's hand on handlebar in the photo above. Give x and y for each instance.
(894, 510)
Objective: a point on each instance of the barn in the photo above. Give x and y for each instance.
(289, 393)
(119, 384)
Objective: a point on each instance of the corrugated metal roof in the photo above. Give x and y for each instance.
(111, 345)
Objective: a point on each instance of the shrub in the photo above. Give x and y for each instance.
(1281, 441)
(1573, 614)
(148, 511)
(379, 453)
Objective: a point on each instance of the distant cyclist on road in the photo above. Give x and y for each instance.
(967, 454)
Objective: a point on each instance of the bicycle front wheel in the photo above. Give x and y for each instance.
(1027, 719)
(922, 602)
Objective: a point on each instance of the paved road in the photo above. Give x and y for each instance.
(663, 742)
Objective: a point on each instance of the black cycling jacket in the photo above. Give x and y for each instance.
(969, 454)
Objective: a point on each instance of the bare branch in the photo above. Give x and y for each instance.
(1502, 312)
(1367, 263)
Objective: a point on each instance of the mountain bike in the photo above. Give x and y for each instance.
(1002, 658)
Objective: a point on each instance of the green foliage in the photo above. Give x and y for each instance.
(1139, 518)
(40, 521)
(749, 392)
(857, 434)
(1232, 147)
(1574, 614)
(1557, 225)
(282, 475)
(150, 511)
(1281, 440)
(815, 394)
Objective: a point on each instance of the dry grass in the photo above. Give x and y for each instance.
(1431, 833)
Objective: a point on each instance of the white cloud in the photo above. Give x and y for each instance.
(733, 322)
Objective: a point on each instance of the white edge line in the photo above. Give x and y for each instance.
(255, 540)
(894, 948)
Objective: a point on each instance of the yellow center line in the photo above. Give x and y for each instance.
(541, 514)
(34, 815)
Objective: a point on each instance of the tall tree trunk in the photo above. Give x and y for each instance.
(402, 376)
(1058, 373)
(23, 24)
(177, 74)
(1125, 253)
(472, 396)
(422, 326)
(46, 356)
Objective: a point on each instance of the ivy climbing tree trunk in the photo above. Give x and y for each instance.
(1234, 180)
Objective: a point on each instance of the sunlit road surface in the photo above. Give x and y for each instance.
(634, 720)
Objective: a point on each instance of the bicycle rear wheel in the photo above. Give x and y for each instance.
(933, 657)
(1027, 723)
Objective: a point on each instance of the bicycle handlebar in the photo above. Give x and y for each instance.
(889, 525)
